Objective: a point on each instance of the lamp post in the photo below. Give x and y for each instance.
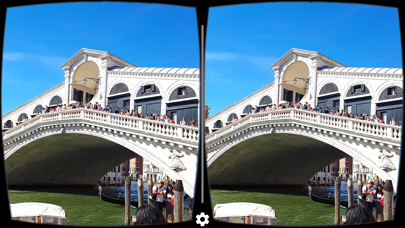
(85, 80)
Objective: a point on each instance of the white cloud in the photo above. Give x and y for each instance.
(42, 59)
(262, 62)
(14, 56)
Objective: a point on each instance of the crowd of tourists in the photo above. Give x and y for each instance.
(306, 106)
(98, 107)
(152, 213)
(362, 213)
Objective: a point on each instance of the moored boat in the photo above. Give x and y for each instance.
(38, 213)
(245, 213)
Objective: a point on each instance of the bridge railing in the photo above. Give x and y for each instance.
(354, 125)
(130, 122)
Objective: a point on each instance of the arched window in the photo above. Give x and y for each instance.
(21, 117)
(55, 100)
(38, 109)
(8, 124)
(265, 100)
(329, 88)
(233, 115)
(218, 124)
(119, 88)
(390, 93)
(146, 90)
(182, 92)
(356, 90)
(247, 109)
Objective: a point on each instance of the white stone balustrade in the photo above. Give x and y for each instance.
(333, 122)
(182, 132)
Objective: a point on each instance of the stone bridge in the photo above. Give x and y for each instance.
(288, 146)
(78, 146)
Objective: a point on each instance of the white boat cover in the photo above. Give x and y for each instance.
(243, 209)
(36, 209)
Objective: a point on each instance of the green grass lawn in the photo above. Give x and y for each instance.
(292, 210)
(82, 210)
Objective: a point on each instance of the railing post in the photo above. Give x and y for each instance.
(60, 116)
(350, 124)
(180, 132)
(82, 113)
(140, 125)
(390, 132)
(108, 118)
(318, 119)
(292, 114)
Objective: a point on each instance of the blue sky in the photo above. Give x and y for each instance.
(40, 38)
(243, 41)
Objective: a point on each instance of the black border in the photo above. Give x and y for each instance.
(201, 195)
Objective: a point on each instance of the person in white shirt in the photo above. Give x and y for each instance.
(368, 191)
(183, 121)
(158, 191)
(393, 122)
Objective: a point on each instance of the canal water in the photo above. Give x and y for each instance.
(83, 206)
(291, 204)
(119, 191)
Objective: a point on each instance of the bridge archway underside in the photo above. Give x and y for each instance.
(272, 159)
(65, 159)
(289, 146)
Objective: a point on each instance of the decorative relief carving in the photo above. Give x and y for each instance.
(384, 161)
(176, 164)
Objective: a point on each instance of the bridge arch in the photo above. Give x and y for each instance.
(231, 116)
(119, 87)
(55, 100)
(37, 109)
(252, 146)
(8, 124)
(89, 70)
(299, 69)
(22, 116)
(266, 99)
(81, 144)
(247, 108)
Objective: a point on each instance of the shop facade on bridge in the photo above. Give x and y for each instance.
(98, 76)
(308, 76)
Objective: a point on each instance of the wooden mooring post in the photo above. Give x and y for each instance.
(388, 200)
(337, 200)
(350, 193)
(150, 192)
(127, 201)
(140, 192)
(178, 201)
(359, 188)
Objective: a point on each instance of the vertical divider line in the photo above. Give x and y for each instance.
(202, 112)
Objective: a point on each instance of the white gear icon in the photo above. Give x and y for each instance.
(206, 217)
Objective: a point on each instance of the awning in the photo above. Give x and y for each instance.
(243, 209)
(37, 209)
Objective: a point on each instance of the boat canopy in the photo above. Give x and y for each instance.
(244, 209)
(37, 209)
